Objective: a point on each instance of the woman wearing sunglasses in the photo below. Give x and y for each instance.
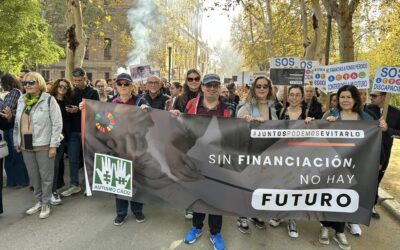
(191, 89)
(259, 106)
(37, 133)
(62, 91)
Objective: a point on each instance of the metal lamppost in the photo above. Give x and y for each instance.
(169, 62)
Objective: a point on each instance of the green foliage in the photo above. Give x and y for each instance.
(25, 36)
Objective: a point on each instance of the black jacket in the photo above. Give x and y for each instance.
(156, 103)
(315, 109)
(393, 121)
(79, 94)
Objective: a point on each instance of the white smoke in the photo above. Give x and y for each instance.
(142, 17)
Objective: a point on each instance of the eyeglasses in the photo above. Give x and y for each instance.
(190, 79)
(153, 82)
(63, 87)
(296, 95)
(123, 84)
(374, 95)
(214, 85)
(30, 83)
(259, 86)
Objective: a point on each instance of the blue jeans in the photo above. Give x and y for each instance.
(74, 154)
(122, 207)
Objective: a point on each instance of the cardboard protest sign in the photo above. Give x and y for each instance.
(319, 77)
(387, 79)
(354, 73)
(284, 62)
(287, 76)
(140, 72)
(308, 66)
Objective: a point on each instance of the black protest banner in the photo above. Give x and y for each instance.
(287, 76)
(282, 169)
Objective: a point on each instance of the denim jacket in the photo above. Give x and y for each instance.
(46, 122)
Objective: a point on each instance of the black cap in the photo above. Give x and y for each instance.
(124, 76)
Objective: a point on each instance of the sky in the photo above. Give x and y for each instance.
(216, 27)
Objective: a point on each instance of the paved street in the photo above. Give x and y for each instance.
(87, 223)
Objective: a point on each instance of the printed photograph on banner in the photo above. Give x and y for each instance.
(284, 62)
(319, 77)
(387, 79)
(112, 175)
(140, 72)
(354, 73)
(308, 67)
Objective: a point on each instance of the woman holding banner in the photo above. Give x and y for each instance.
(295, 111)
(259, 106)
(191, 89)
(349, 108)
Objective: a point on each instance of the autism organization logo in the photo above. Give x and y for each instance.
(347, 76)
(105, 122)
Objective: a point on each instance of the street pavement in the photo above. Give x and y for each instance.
(87, 223)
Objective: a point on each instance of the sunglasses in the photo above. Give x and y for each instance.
(123, 84)
(30, 83)
(260, 86)
(374, 95)
(190, 79)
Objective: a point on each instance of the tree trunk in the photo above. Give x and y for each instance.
(343, 14)
(76, 38)
(346, 41)
(313, 51)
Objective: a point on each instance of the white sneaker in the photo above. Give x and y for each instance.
(274, 222)
(292, 228)
(324, 236)
(188, 214)
(341, 239)
(55, 199)
(45, 212)
(354, 229)
(34, 209)
(71, 190)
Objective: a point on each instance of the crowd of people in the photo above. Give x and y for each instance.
(41, 124)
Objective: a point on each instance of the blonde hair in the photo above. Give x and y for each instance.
(39, 78)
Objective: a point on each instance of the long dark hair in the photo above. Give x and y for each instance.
(70, 91)
(184, 97)
(354, 94)
(9, 82)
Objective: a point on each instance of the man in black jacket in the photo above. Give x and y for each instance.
(313, 107)
(390, 127)
(153, 97)
(81, 91)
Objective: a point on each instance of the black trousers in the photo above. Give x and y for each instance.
(214, 222)
(58, 180)
(337, 226)
(380, 177)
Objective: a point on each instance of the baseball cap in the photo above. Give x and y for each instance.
(124, 76)
(210, 78)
